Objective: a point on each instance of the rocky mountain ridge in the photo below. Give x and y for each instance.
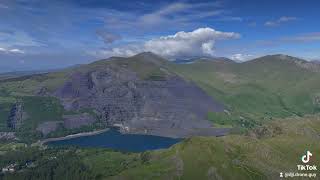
(147, 94)
(161, 104)
(16, 116)
(308, 65)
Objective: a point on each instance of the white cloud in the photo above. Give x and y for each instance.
(11, 51)
(180, 13)
(200, 42)
(172, 16)
(125, 51)
(231, 18)
(270, 23)
(16, 51)
(17, 38)
(286, 19)
(241, 57)
(280, 21)
(186, 44)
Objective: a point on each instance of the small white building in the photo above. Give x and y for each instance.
(9, 168)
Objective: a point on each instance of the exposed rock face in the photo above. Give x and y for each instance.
(16, 116)
(170, 107)
(49, 126)
(311, 66)
(308, 65)
(7, 136)
(78, 120)
(265, 131)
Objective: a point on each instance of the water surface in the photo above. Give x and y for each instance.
(115, 140)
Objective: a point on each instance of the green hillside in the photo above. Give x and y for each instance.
(258, 90)
(273, 98)
(41, 107)
(261, 154)
(254, 92)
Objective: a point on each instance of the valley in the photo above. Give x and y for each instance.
(146, 94)
(253, 119)
(262, 153)
(159, 90)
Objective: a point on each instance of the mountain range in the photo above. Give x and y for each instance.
(147, 94)
(265, 112)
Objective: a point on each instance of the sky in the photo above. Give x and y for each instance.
(49, 34)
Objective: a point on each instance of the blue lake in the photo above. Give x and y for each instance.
(113, 139)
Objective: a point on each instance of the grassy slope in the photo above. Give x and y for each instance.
(147, 66)
(257, 90)
(254, 92)
(38, 109)
(41, 109)
(23, 89)
(244, 157)
(262, 154)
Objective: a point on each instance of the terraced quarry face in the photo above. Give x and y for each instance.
(139, 94)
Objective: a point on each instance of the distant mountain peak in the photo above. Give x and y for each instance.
(204, 58)
(280, 57)
(284, 57)
(277, 58)
(316, 61)
(147, 55)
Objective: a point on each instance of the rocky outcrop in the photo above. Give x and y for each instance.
(169, 107)
(16, 116)
(69, 122)
(7, 136)
(50, 126)
(265, 132)
(311, 66)
(77, 120)
(308, 65)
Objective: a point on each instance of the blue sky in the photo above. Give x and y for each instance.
(46, 34)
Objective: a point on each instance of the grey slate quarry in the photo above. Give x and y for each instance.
(15, 118)
(8, 136)
(172, 107)
(77, 120)
(50, 126)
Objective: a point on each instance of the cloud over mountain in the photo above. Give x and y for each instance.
(200, 42)
(241, 57)
(196, 43)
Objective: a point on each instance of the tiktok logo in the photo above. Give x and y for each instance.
(306, 158)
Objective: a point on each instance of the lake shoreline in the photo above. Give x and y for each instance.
(72, 136)
(115, 140)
